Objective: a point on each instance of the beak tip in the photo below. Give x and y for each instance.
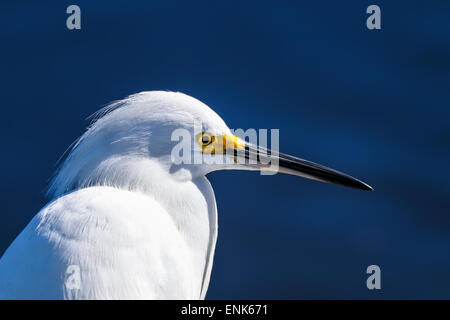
(365, 186)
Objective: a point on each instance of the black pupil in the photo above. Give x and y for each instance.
(205, 139)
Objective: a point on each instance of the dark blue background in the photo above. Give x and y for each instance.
(374, 104)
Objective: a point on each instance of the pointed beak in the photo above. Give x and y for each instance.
(266, 160)
(303, 168)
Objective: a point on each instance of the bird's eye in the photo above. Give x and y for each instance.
(206, 139)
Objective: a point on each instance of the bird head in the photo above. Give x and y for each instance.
(170, 133)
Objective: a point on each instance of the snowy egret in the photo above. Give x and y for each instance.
(124, 221)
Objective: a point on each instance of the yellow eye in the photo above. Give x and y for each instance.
(206, 139)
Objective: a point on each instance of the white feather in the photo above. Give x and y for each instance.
(137, 227)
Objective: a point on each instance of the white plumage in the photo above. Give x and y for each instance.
(136, 228)
(126, 221)
(125, 244)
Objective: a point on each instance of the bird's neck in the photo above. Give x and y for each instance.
(189, 202)
(177, 192)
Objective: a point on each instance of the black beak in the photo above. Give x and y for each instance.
(265, 159)
(311, 170)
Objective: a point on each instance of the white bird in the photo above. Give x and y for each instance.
(125, 221)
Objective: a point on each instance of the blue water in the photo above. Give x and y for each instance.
(374, 104)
